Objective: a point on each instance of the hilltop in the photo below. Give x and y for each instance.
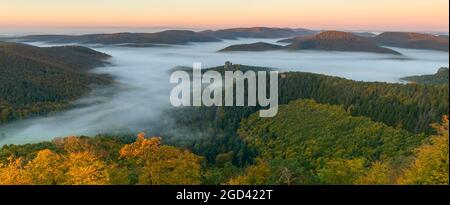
(412, 40)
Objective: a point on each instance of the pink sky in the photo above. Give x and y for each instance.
(418, 15)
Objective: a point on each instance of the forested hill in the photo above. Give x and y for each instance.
(410, 107)
(310, 143)
(440, 77)
(37, 80)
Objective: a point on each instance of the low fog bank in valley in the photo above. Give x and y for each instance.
(141, 95)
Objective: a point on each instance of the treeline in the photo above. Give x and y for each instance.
(35, 81)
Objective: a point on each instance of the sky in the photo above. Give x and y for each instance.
(399, 15)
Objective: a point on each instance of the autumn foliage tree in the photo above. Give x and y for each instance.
(14, 173)
(161, 164)
(98, 161)
(85, 168)
(47, 168)
(430, 165)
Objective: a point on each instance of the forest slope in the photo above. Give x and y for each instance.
(36, 80)
(306, 143)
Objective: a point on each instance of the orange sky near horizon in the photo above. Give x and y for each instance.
(419, 15)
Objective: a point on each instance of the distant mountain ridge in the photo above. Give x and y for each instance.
(259, 32)
(327, 41)
(412, 40)
(305, 36)
(164, 37)
(171, 36)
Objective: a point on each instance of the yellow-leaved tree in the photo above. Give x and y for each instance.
(430, 165)
(162, 164)
(14, 173)
(47, 168)
(83, 168)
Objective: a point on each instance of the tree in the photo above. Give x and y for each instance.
(14, 173)
(83, 168)
(47, 168)
(430, 165)
(161, 164)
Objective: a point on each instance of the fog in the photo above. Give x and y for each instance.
(141, 92)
